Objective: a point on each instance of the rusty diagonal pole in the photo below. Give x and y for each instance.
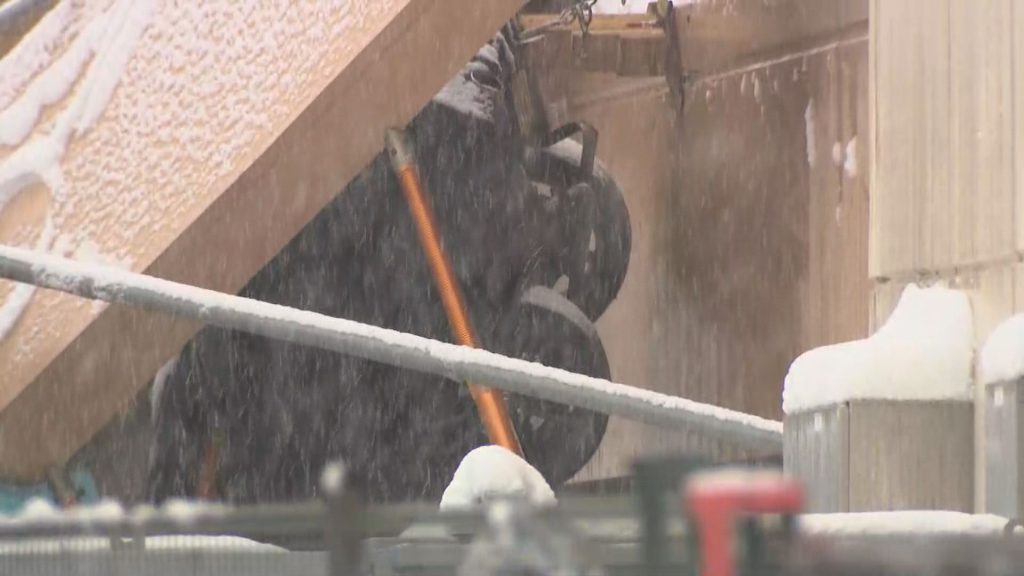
(490, 403)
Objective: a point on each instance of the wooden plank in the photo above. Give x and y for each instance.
(209, 202)
(815, 452)
(626, 45)
(981, 54)
(911, 456)
(912, 213)
(601, 22)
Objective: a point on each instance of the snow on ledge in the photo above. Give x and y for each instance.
(108, 511)
(923, 352)
(925, 522)
(1002, 357)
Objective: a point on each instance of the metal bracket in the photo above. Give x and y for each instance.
(589, 153)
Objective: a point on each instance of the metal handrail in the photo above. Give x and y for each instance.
(387, 346)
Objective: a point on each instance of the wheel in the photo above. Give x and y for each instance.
(547, 328)
(592, 247)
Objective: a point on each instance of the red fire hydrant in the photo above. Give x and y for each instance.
(715, 500)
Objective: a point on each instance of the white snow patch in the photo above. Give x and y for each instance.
(492, 471)
(923, 352)
(156, 392)
(1002, 357)
(13, 307)
(34, 51)
(108, 41)
(850, 164)
(193, 542)
(188, 511)
(39, 511)
(332, 480)
(152, 544)
(467, 97)
(809, 133)
(620, 7)
(89, 252)
(901, 523)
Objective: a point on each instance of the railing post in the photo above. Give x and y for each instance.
(344, 523)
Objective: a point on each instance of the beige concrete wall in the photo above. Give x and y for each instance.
(949, 134)
(750, 241)
(176, 166)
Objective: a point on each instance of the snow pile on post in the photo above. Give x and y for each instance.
(923, 352)
(493, 472)
(1002, 357)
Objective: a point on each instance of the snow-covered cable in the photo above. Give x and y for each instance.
(388, 346)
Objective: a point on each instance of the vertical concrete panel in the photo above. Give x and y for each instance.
(911, 210)
(1017, 59)
(1002, 456)
(981, 55)
(815, 453)
(911, 456)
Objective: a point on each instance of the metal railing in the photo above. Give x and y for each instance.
(339, 536)
(388, 346)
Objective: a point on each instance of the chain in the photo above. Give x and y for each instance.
(581, 11)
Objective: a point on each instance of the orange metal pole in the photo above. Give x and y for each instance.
(490, 403)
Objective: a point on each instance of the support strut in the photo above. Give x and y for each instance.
(490, 404)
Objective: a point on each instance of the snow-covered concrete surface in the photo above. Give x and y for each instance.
(925, 522)
(491, 472)
(92, 64)
(1002, 356)
(183, 512)
(109, 511)
(924, 351)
